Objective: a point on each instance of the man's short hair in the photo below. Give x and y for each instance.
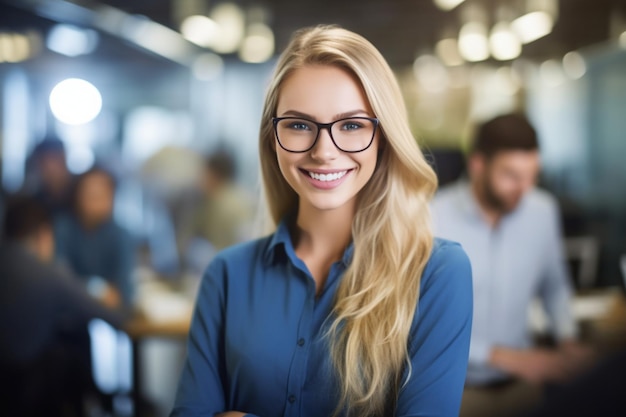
(508, 132)
(222, 163)
(24, 217)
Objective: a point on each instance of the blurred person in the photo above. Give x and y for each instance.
(224, 215)
(511, 232)
(44, 351)
(52, 182)
(350, 306)
(93, 245)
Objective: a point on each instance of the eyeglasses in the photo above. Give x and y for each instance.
(352, 134)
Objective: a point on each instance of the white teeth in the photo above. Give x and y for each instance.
(327, 177)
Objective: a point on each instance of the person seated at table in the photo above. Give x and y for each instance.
(44, 360)
(224, 214)
(511, 232)
(48, 177)
(92, 244)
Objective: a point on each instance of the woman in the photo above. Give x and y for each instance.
(322, 317)
(93, 245)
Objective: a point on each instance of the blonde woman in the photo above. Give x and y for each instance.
(350, 307)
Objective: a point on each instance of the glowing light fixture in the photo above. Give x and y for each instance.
(258, 45)
(75, 101)
(574, 65)
(71, 40)
(533, 26)
(622, 40)
(504, 43)
(14, 47)
(473, 43)
(447, 4)
(231, 21)
(200, 30)
(448, 51)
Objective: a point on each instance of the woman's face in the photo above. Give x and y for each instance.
(324, 177)
(95, 198)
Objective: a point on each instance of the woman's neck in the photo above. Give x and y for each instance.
(324, 231)
(320, 239)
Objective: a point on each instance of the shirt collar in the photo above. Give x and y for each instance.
(468, 201)
(280, 243)
(281, 246)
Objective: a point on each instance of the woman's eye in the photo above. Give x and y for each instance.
(299, 126)
(351, 126)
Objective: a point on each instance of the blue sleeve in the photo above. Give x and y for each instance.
(200, 390)
(439, 343)
(202, 383)
(124, 266)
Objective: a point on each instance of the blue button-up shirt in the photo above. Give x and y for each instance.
(520, 260)
(257, 344)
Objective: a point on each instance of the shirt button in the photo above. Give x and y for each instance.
(301, 342)
(292, 399)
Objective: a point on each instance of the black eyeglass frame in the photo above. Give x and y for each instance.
(327, 126)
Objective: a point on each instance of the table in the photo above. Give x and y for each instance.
(141, 327)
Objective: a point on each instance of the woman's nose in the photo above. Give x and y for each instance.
(324, 148)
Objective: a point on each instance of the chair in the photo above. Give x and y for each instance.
(582, 254)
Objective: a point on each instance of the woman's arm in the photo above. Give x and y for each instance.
(201, 391)
(439, 342)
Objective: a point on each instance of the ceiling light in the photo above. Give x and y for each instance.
(14, 47)
(71, 40)
(200, 30)
(448, 51)
(447, 4)
(231, 21)
(258, 45)
(156, 38)
(504, 43)
(532, 26)
(574, 65)
(473, 42)
(74, 101)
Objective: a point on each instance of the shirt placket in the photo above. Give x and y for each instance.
(298, 370)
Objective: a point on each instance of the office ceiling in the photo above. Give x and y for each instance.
(401, 29)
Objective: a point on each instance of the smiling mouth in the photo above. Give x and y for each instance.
(334, 176)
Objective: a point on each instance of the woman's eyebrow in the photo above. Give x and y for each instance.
(344, 115)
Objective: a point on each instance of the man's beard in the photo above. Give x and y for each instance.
(496, 201)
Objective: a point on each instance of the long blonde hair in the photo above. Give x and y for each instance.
(391, 231)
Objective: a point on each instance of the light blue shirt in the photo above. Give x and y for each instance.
(512, 264)
(256, 341)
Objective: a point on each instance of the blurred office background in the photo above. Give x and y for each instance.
(147, 88)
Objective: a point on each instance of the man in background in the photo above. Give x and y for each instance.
(511, 232)
(223, 216)
(44, 360)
